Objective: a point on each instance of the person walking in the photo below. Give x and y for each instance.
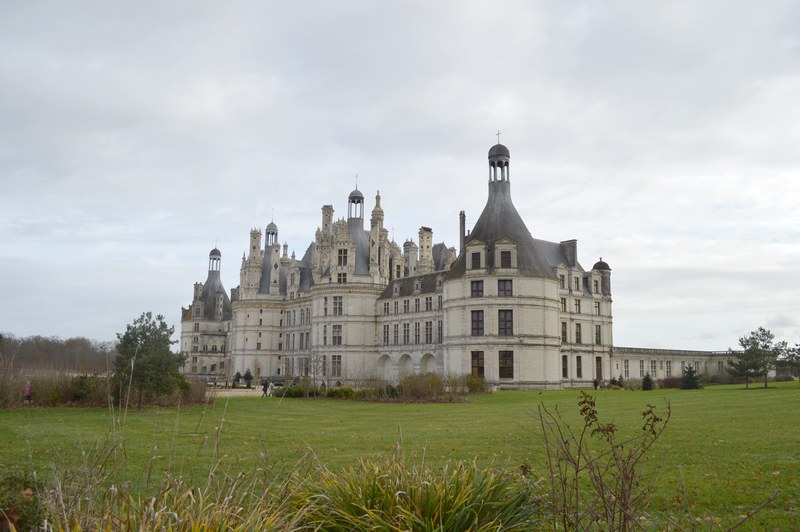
(28, 391)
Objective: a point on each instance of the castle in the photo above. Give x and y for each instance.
(517, 311)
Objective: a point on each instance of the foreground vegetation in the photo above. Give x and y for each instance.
(726, 450)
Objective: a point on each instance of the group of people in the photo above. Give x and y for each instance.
(266, 389)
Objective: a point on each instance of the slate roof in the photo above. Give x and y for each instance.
(429, 283)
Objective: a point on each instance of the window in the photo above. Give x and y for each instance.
(342, 257)
(416, 332)
(563, 332)
(324, 365)
(476, 261)
(386, 308)
(577, 306)
(505, 259)
(626, 369)
(563, 304)
(324, 335)
(562, 281)
(641, 368)
(341, 277)
(336, 335)
(577, 284)
(504, 288)
(337, 305)
(416, 304)
(440, 303)
(477, 289)
(205, 348)
(406, 333)
(477, 364)
(578, 334)
(579, 367)
(324, 306)
(506, 365)
(439, 332)
(396, 307)
(406, 306)
(596, 308)
(505, 322)
(652, 368)
(597, 336)
(428, 332)
(396, 334)
(258, 346)
(477, 323)
(669, 368)
(196, 327)
(428, 303)
(564, 367)
(386, 334)
(596, 286)
(336, 365)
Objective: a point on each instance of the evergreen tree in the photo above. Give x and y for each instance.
(690, 379)
(647, 382)
(144, 361)
(759, 355)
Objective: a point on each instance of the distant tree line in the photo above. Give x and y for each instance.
(73, 354)
(760, 354)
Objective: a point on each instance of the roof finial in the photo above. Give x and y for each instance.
(498, 136)
(356, 181)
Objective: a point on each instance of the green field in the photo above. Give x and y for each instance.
(732, 447)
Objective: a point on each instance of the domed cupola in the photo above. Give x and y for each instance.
(355, 205)
(601, 265)
(214, 260)
(271, 234)
(499, 158)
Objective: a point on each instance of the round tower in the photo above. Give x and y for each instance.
(214, 260)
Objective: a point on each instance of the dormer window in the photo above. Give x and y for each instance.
(505, 254)
(342, 257)
(475, 260)
(505, 259)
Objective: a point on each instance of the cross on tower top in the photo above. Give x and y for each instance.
(498, 136)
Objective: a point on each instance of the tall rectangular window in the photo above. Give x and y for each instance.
(564, 367)
(336, 335)
(324, 365)
(652, 368)
(476, 261)
(342, 257)
(324, 306)
(669, 368)
(396, 334)
(396, 307)
(626, 369)
(505, 259)
(596, 286)
(577, 284)
(477, 323)
(477, 288)
(416, 304)
(578, 334)
(641, 368)
(416, 332)
(337, 305)
(577, 306)
(563, 332)
(428, 332)
(406, 333)
(386, 308)
(477, 363)
(336, 365)
(406, 306)
(428, 303)
(596, 308)
(579, 367)
(504, 288)
(440, 303)
(597, 337)
(563, 304)
(505, 323)
(439, 332)
(506, 365)
(562, 281)
(386, 334)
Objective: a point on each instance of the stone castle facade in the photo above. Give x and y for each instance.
(517, 311)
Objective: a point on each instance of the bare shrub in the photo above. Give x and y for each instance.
(593, 476)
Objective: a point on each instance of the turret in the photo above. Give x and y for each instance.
(425, 264)
(410, 257)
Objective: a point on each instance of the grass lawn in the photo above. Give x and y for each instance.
(732, 447)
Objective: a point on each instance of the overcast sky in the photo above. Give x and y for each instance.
(663, 136)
